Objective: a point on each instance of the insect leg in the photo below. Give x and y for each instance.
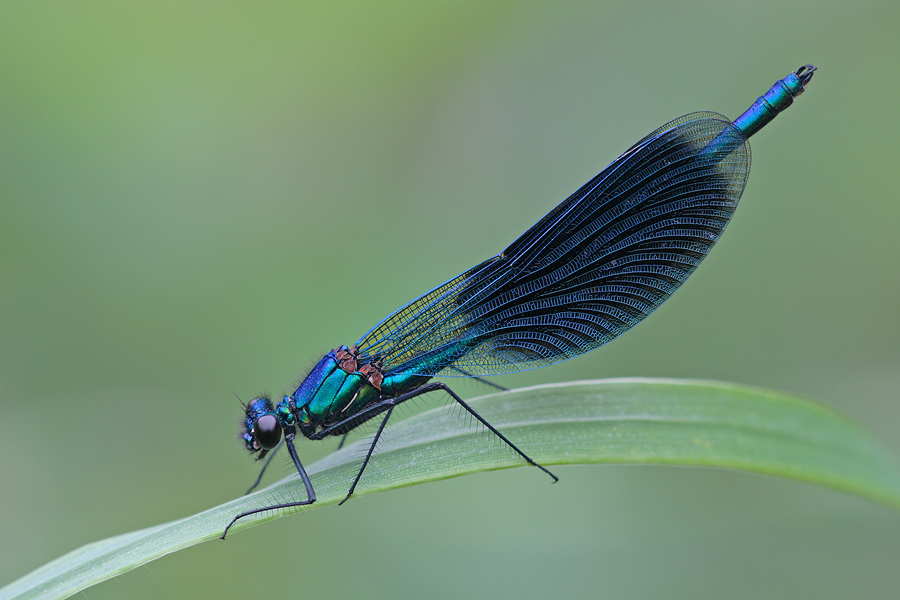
(310, 492)
(373, 410)
(368, 454)
(436, 385)
(265, 466)
(353, 421)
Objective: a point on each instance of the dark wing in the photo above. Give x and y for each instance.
(596, 265)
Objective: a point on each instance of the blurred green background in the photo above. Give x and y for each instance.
(200, 199)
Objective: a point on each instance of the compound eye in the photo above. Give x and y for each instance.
(267, 432)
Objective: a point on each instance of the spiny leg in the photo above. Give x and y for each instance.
(374, 409)
(343, 439)
(368, 454)
(310, 492)
(440, 386)
(265, 466)
(354, 421)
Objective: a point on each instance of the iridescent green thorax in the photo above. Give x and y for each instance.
(339, 386)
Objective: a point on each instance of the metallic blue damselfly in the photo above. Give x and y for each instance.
(595, 266)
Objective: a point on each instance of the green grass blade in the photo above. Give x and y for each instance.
(614, 421)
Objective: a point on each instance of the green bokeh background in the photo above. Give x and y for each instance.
(202, 199)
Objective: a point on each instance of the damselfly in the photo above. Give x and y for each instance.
(596, 265)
